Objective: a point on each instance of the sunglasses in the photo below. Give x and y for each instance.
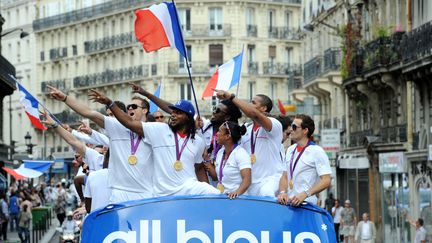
(77, 156)
(217, 110)
(294, 126)
(134, 106)
(159, 117)
(225, 124)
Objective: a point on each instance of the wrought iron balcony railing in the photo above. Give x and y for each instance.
(110, 42)
(251, 30)
(60, 84)
(87, 13)
(312, 69)
(208, 30)
(270, 68)
(394, 134)
(58, 53)
(357, 138)
(332, 59)
(283, 33)
(68, 117)
(417, 44)
(196, 68)
(111, 76)
(252, 67)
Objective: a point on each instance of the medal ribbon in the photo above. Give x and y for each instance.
(178, 153)
(134, 146)
(216, 147)
(253, 142)
(222, 164)
(298, 157)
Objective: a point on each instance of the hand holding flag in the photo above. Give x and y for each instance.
(31, 107)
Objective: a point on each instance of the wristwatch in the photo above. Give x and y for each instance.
(232, 96)
(308, 193)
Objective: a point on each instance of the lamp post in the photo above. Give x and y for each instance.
(28, 143)
(22, 34)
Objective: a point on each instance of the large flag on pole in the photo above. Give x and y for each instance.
(153, 106)
(158, 26)
(31, 106)
(225, 77)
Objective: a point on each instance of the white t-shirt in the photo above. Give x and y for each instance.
(167, 180)
(312, 164)
(337, 214)
(267, 150)
(100, 138)
(93, 159)
(366, 231)
(97, 189)
(123, 176)
(238, 160)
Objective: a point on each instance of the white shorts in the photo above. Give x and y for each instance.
(118, 196)
(267, 187)
(194, 187)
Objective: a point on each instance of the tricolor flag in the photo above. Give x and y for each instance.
(153, 106)
(31, 106)
(281, 107)
(158, 27)
(29, 169)
(225, 77)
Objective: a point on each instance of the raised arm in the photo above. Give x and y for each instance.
(163, 104)
(78, 107)
(67, 136)
(248, 109)
(122, 117)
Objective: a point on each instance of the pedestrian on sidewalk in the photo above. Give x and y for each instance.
(366, 231)
(24, 224)
(14, 211)
(348, 222)
(4, 215)
(60, 209)
(336, 213)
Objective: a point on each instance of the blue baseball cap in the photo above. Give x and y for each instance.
(185, 106)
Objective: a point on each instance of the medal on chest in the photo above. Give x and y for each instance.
(133, 159)
(178, 165)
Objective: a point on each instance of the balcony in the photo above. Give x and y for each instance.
(58, 53)
(417, 44)
(332, 60)
(285, 33)
(393, 134)
(295, 80)
(251, 30)
(87, 13)
(110, 77)
(196, 68)
(60, 84)
(208, 30)
(68, 117)
(358, 138)
(111, 42)
(253, 68)
(312, 69)
(278, 68)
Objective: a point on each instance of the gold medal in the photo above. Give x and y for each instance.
(291, 184)
(220, 187)
(253, 158)
(178, 166)
(132, 159)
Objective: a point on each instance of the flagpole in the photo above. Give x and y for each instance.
(238, 85)
(187, 61)
(54, 117)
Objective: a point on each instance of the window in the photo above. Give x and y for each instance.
(273, 88)
(185, 91)
(74, 50)
(271, 20)
(288, 55)
(272, 54)
(182, 60)
(42, 56)
(215, 55)
(185, 18)
(250, 90)
(250, 16)
(215, 18)
(287, 19)
(251, 53)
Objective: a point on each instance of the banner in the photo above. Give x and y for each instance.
(208, 219)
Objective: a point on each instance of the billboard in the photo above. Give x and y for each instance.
(208, 219)
(330, 142)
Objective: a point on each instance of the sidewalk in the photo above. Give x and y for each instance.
(14, 238)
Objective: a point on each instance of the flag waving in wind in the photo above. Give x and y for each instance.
(225, 77)
(153, 106)
(158, 26)
(31, 106)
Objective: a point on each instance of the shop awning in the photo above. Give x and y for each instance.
(353, 161)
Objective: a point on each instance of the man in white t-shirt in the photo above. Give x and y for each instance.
(262, 141)
(336, 213)
(175, 147)
(420, 235)
(365, 231)
(97, 192)
(308, 171)
(131, 164)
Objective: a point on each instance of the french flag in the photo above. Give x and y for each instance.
(158, 26)
(31, 107)
(225, 77)
(29, 169)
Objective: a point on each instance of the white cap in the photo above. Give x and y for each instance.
(347, 201)
(63, 180)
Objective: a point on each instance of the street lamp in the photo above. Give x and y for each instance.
(310, 27)
(28, 143)
(22, 34)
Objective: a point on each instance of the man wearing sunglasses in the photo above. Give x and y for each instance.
(131, 163)
(262, 141)
(175, 147)
(158, 116)
(308, 169)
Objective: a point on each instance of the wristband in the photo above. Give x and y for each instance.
(53, 126)
(232, 97)
(111, 105)
(65, 99)
(308, 193)
(282, 192)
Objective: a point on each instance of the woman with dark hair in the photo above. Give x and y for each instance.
(232, 168)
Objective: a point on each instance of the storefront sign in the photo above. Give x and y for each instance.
(206, 219)
(330, 141)
(354, 163)
(393, 162)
